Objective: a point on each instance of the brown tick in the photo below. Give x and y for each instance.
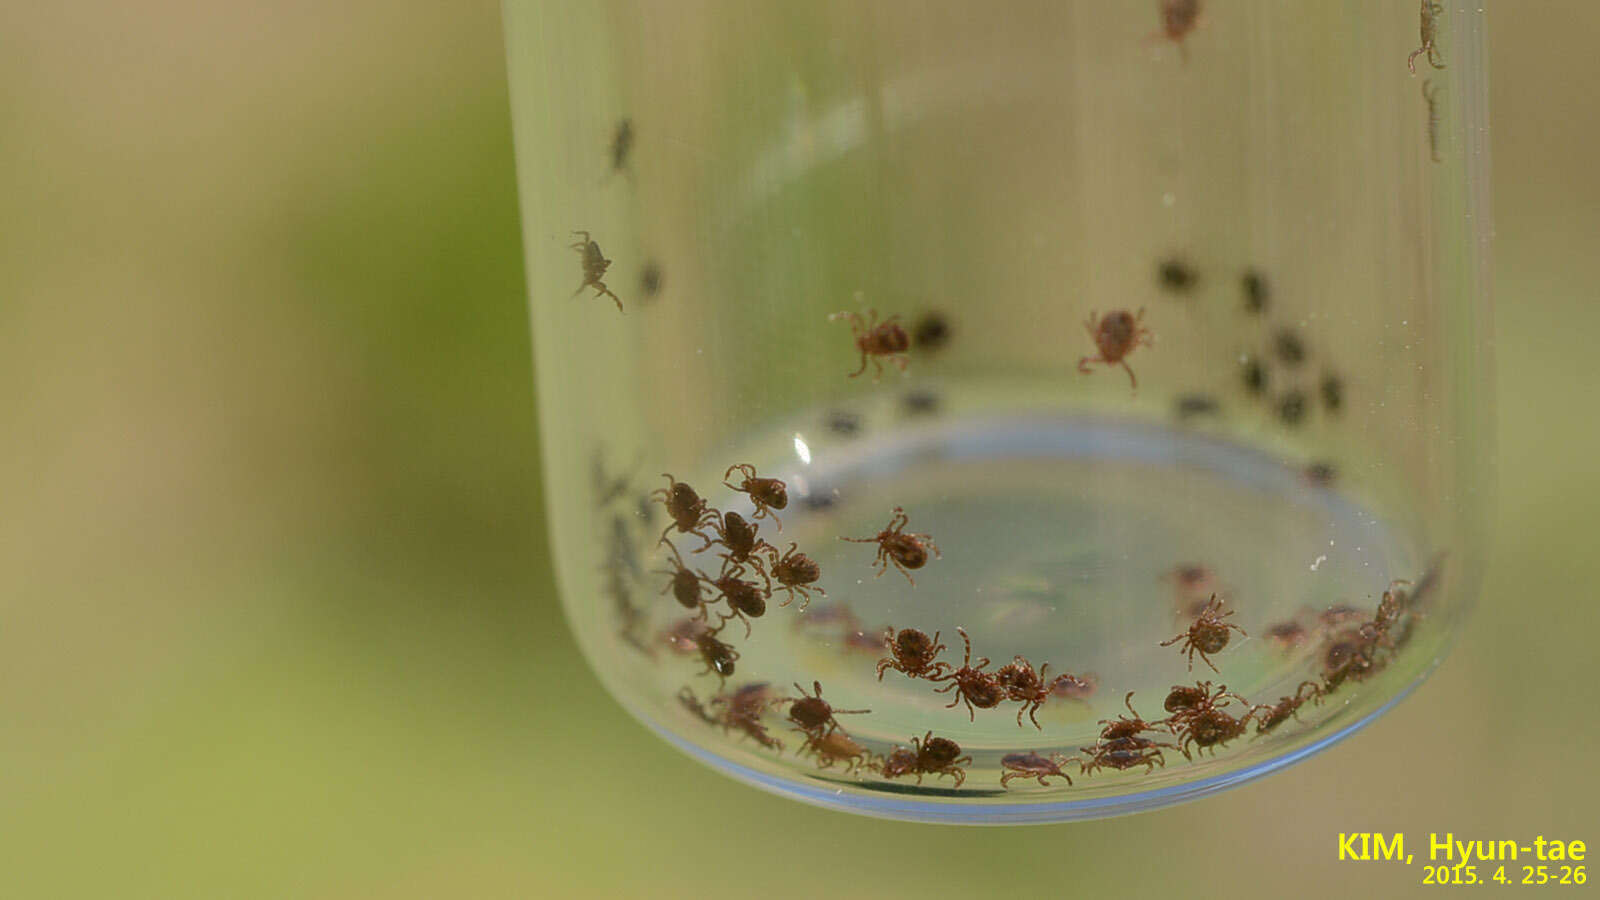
(836, 746)
(796, 571)
(689, 512)
(1125, 727)
(685, 585)
(718, 657)
(877, 340)
(1116, 335)
(813, 714)
(1210, 728)
(913, 653)
(972, 685)
(906, 549)
(1032, 765)
(1185, 701)
(594, 268)
(741, 541)
(931, 756)
(766, 494)
(745, 598)
(1208, 634)
(1428, 32)
(1025, 686)
(1271, 716)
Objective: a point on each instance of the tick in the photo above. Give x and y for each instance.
(1116, 335)
(972, 685)
(1271, 716)
(877, 340)
(1032, 765)
(913, 653)
(766, 494)
(930, 756)
(813, 714)
(1428, 32)
(836, 746)
(594, 268)
(1209, 634)
(1025, 686)
(742, 541)
(1184, 701)
(795, 572)
(746, 600)
(1210, 728)
(688, 510)
(718, 656)
(906, 549)
(685, 585)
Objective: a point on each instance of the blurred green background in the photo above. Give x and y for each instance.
(278, 612)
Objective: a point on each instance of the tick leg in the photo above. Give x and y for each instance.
(1131, 379)
(863, 365)
(1083, 364)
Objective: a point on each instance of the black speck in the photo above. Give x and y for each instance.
(818, 501)
(1255, 375)
(1190, 405)
(650, 278)
(1291, 350)
(843, 423)
(1332, 392)
(920, 402)
(1292, 408)
(1177, 276)
(1321, 473)
(1255, 292)
(621, 143)
(932, 332)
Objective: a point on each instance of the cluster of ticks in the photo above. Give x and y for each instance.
(752, 570)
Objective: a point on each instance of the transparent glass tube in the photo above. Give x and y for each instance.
(1297, 222)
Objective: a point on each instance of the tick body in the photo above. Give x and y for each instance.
(1210, 728)
(813, 715)
(913, 653)
(1185, 701)
(1075, 687)
(689, 512)
(766, 494)
(1209, 634)
(1116, 335)
(718, 656)
(877, 341)
(746, 600)
(742, 542)
(742, 710)
(1123, 727)
(594, 268)
(1032, 765)
(651, 278)
(1025, 686)
(1123, 753)
(1271, 716)
(686, 585)
(1428, 32)
(795, 572)
(931, 756)
(906, 549)
(836, 747)
(972, 685)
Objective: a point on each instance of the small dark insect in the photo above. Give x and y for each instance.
(1177, 276)
(931, 332)
(1209, 634)
(1428, 31)
(621, 143)
(972, 685)
(836, 746)
(906, 549)
(650, 278)
(1348, 655)
(1292, 407)
(1288, 635)
(594, 268)
(913, 653)
(812, 713)
(876, 340)
(766, 494)
(920, 402)
(1032, 765)
(1271, 716)
(1191, 405)
(689, 512)
(1210, 728)
(1332, 389)
(1124, 727)
(1321, 474)
(1291, 350)
(932, 756)
(1178, 18)
(1430, 96)
(685, 585)
(1256, 294)
(1185, 701)
(746, 600)
(1075, 687)
(718, 657)
(795, 571)
(742, 541)
(1123, 753)
(1254, 375)
(690, 702)
(1025, 686)
(843, 423)
(1392, 606)
(819, 501)
(1116, 336)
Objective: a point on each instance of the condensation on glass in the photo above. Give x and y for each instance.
(1299, 222)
